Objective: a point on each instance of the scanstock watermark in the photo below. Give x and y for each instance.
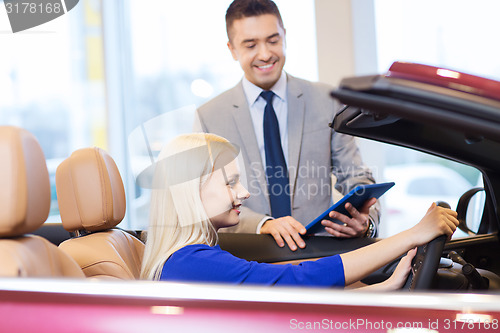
(25, 15)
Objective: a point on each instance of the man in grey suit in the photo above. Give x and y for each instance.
(311, 153)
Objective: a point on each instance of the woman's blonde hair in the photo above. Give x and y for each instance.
(177, 215)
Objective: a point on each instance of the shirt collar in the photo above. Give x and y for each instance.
(252, 92)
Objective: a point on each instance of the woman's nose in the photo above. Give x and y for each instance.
(242, 193)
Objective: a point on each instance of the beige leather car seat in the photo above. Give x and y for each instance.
(24, 207)
(91, 200)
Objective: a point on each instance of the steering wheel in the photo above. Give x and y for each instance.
(425, 263)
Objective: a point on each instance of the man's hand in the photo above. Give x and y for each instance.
(351, 227)
(285, 229)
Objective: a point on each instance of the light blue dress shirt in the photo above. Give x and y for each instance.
(256, 103)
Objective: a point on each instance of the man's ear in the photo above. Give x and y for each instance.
(232, 50)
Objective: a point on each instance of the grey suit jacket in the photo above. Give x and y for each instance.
(315, 151)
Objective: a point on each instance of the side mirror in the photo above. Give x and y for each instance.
(470, 210)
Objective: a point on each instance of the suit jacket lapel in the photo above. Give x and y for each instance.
(249, 146)
(296, 111)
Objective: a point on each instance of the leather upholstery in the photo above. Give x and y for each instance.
(92, 198)
(24, 183)
(107, 254)
(34, 256)
(24, 206)
(90, 191)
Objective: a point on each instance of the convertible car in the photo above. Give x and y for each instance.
(454, 286)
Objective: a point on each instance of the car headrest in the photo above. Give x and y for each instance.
(90, 191)
(24, 183)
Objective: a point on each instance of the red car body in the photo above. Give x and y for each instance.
(66, 305)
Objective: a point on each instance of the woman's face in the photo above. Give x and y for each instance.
(222, 196)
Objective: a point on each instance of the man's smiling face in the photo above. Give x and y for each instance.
(258, 43)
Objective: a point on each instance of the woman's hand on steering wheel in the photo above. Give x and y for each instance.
(426, 262)
(398, 278)
(437, 221)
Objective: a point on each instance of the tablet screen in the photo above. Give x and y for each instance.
(357, 197)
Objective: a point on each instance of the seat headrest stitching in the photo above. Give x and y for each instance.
(74, 186)
(101, 166)
(21, 174)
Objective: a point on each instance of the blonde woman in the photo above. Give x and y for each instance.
(198, 191)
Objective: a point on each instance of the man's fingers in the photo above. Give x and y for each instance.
(285, 230)
(277, 237)
(337, 233)
(299, 227)
(290, 242)
(339, 230)
(353, 211)
(337, 216)
(292, 236)
(358, 223)
(366, 207)
(298, 240)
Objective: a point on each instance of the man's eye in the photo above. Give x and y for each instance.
(250, 46)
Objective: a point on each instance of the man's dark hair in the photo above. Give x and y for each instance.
(249, 8)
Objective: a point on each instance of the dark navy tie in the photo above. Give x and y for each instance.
(276, 170)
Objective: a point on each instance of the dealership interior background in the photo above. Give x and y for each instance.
(95, 75)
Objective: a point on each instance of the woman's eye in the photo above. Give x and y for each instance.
(232, 183)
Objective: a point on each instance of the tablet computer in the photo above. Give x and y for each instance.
(357, 197)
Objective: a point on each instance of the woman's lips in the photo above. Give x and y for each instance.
(236, 208)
